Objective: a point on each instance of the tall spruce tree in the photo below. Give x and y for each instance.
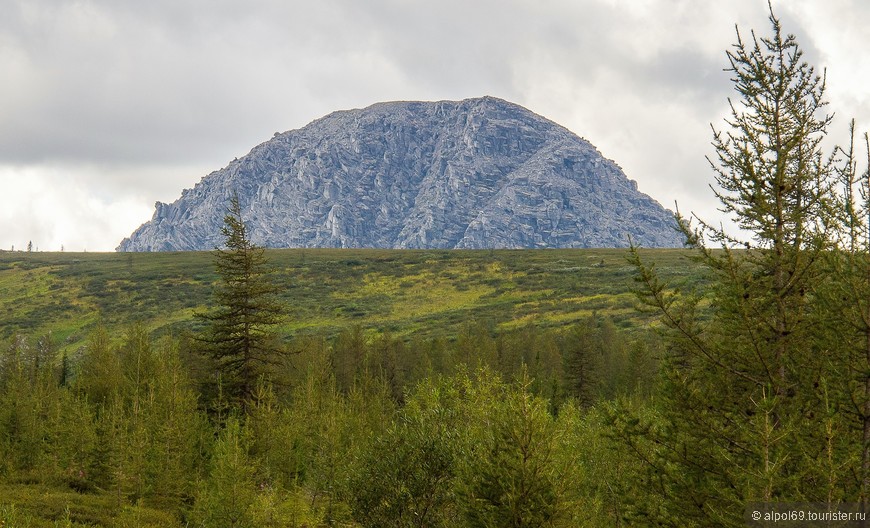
(240, 335)
(743, 415)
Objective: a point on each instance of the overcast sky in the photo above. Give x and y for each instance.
(107, 106)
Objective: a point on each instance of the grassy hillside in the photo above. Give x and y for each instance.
(424, 293)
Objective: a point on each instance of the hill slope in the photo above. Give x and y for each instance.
(478, 173)
(423, 293)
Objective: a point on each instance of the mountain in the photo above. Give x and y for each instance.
(477, 173)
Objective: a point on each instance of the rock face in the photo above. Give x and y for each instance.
(478, 173)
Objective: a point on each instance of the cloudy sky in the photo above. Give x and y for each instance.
(107, 106)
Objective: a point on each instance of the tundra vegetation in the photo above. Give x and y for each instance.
(483, 389)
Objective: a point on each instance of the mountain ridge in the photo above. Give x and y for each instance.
(476, 173)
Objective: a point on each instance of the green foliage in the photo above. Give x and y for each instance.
(272, 438)
(745, 409)
(472, 450)
(412, 294)
(178, 433)
(595, 475)
(45, 432)
(37, 506)
(600, 362)
(512, 479)
(583, 360)
(227, 496)
(274, 508)
(302, 454)
(407, 474)
(240, 336)
(366, 427)
(348, 357)
(100, 377)
(149, 435)
(69, 436)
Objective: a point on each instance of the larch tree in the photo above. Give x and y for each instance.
(743, 413)
(240, 336)
(848, 296)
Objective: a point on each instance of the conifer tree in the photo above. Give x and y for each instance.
(513, 480)
(100, 376)
(178, 431)
(225, 499)
(582, 359)
(240, 336)
(848, 297)
(742, 405)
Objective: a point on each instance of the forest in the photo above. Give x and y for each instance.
(481, 389)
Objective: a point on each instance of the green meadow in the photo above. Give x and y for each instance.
(405, 293)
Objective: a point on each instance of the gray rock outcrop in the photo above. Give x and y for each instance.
(478, 173)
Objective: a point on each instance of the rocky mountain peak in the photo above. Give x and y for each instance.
(477, 173)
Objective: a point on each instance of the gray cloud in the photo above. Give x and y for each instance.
(128, 100)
